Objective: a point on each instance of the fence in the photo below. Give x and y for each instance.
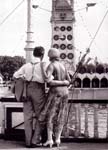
(87, 115)
(87, 119)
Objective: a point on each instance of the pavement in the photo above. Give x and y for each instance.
(19, 145)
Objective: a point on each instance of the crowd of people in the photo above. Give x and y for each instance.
(48, 109)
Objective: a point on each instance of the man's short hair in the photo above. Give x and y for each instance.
(38, 51)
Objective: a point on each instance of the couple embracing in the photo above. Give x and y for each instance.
(49, 110)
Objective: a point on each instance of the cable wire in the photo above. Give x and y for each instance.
(11, 12)
(19, 42)
(98, 28)
(44, 9)
(86, 28)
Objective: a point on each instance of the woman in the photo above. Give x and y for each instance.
(55, 107)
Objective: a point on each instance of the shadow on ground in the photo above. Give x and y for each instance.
(11, 145)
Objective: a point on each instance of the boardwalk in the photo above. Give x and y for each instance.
(13, 145)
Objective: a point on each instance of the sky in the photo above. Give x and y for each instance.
(13, 27)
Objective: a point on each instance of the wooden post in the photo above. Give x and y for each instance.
(86, 133)
(95, 120)
(107, 123)
(77, 120)
(2, 124)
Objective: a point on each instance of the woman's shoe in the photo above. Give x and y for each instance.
(57, 143)
(48, 144)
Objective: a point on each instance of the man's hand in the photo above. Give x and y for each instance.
(59, 83)
(66, 82)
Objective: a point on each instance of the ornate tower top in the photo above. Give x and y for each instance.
(62, 31)
(63, 3)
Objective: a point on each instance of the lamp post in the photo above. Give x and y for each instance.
(87, 6)
(29, 42)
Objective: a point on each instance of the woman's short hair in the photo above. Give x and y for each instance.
(38, 51)
(54, 53)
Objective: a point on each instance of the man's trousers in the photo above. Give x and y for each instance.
(32, 107)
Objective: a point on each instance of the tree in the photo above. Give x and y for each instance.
(82, 69)
(8, 65)
(100, 68)
(91, 68)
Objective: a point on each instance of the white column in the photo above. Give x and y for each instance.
(30, 42)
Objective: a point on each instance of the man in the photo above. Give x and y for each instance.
(32, 73)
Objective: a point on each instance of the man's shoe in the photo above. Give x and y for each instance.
(36, 145)
(28, 146)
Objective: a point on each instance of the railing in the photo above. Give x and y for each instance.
(87, 114)
(87, 119)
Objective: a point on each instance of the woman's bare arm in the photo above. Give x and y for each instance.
(49, 72)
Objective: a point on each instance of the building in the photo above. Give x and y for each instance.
(62, 31)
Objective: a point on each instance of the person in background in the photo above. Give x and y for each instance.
(56, 105)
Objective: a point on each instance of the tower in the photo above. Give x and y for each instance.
(62, 31)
